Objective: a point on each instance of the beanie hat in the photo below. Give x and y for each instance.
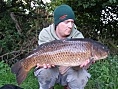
(62, 13)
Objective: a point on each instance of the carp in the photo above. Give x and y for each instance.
(66, 52)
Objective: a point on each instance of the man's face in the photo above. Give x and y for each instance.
(64, 28)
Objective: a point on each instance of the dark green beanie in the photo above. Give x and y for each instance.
(62, 13)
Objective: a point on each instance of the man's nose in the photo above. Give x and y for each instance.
(70, 24)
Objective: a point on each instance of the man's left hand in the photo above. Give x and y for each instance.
(87, 63)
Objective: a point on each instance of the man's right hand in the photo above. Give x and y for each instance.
(44, 66)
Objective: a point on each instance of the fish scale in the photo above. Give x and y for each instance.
(66, 52)
(56, 54)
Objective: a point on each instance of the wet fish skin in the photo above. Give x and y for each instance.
(67, 52)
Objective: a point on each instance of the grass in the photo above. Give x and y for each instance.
(104, 76)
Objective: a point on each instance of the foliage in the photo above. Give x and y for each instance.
(13, 43)
(104, 75)
(8, 78)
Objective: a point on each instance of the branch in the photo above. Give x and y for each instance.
(13, 52)
(113, 45)
(16, 22)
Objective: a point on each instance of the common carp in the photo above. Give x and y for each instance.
(66, 52)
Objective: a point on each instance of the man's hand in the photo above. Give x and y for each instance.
(87, 63)
(44, 66)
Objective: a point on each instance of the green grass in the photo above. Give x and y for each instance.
(104, 76)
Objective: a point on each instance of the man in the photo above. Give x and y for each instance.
(63, 27)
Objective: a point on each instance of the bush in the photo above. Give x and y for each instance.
(104, 74)
(8, 78)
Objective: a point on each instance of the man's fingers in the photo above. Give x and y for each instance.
(85, 63)
(38, 65)
(53, 65)
(82, 65)
(48, 65)
(44, 65)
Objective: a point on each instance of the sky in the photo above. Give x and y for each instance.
(46, 1)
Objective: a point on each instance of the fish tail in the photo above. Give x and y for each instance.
(20, 72)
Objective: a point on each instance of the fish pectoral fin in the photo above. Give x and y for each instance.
(63, 69)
